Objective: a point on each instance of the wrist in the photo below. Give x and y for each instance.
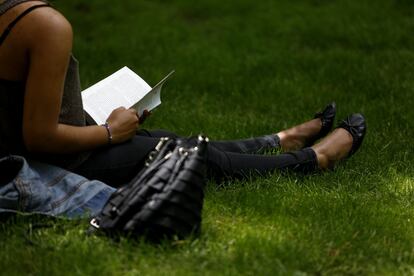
(108, 132)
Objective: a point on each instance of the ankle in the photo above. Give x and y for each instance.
(323, 160)
(299, 136)
(288, 141)
(333, 148)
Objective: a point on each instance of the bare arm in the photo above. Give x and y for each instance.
(49, 48)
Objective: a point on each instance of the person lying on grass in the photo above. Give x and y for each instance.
(42, 116)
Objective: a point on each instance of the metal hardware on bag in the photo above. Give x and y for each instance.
(161, 143)
(168, 155)
(202, 138)
(150, 157)
(154, 153)
(182, 151)
(95, 223)
(114, 211)
(185, 152)
(151, 203)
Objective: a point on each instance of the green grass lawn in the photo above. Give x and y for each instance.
(247, 68)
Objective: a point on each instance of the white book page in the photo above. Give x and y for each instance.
(152, 99)
(122, 88)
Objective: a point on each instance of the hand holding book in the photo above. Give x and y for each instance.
(122, 124)
(123, 88)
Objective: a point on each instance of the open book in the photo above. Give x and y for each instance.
(122, 88)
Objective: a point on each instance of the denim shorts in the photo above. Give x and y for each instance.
(31, 187)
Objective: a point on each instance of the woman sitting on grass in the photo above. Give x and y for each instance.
(42, 117)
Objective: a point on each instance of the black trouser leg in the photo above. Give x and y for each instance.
(234, 158)
(118, 164)
(223, 164)
(250, 145)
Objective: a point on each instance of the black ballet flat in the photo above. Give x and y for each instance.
(355, 124)
(327, 117)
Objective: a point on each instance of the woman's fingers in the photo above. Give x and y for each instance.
(120, 108)
(123, 123)
(144, 116)
(134, 112)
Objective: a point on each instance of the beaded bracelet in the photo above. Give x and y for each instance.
(108, 130)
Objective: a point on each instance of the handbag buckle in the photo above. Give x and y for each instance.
(154, 153)
(203, 138)
(161, 143)
(95, 223)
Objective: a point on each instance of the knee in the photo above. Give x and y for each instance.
(164, 133)
(157, 133)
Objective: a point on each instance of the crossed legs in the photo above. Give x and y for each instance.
(117, 164)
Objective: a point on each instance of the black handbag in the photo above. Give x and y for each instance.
(165, 199)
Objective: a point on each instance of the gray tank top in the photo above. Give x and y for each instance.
(11, 111)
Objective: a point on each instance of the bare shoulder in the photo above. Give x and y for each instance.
(50, 18)
(44, 33)
(47, 27)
